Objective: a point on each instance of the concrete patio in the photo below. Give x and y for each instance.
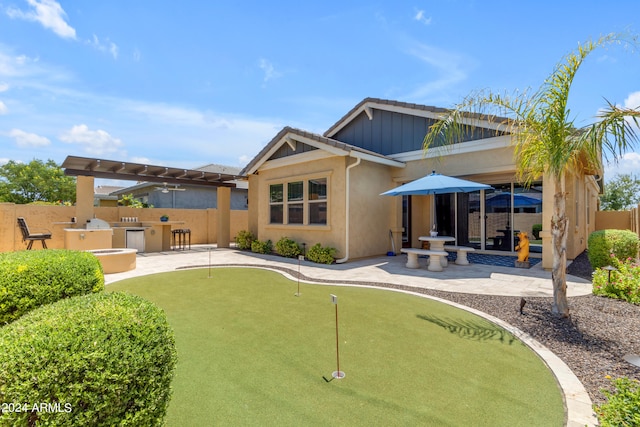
(475, 278)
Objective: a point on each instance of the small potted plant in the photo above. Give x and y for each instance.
(164, 218)
(434, 232)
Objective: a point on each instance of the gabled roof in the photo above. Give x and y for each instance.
(369, 104)
(288, 135)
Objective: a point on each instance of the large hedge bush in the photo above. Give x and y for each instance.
(105, 359)
(622, 243)
(29, 279)
(288, 248)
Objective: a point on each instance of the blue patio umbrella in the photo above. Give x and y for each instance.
(436, 183)
(519, 200)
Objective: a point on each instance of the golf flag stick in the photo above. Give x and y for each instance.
(337, 374)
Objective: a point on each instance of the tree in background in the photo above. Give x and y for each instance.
(130, 201)
(547, 141)
(36, 181)
(621, 193)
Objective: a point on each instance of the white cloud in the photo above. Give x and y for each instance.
(49, 14)
(421, 17)
(104, 46)
(3, 108)
(448, 69)
(629, 163)
(269, 70)
(633, 100)
(96, 142)
(4, 87)
(28, 140)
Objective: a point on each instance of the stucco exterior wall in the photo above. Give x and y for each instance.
(332, 234)
(372, 215)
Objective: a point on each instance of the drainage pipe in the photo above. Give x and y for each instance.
(347, 208)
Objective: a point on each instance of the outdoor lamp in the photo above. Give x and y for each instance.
(609, 268)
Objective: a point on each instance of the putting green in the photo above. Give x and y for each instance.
(250, 352)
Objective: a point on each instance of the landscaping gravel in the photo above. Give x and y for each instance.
(592, 342)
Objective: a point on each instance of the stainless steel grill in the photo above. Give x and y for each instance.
(97, 224)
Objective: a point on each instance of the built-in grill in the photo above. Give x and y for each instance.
(97, 224)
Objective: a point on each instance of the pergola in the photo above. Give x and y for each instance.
(86, 169)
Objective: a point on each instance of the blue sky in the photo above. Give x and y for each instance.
(189, 83)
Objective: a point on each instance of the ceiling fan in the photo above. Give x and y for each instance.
(165, 189)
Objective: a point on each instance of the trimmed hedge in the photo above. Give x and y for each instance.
(288, 248)
(535, 230)
(260, 247)
(622, 244)
(322, 255)
(102, 359)
(29, 279)
(244, 239)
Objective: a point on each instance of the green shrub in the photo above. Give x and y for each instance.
(322, 255)
(622, 243)
(623, 404)
(535, 230)
(106, 359)
(244, 239)
(29, 279)
(288, 248)
(624, 283)
(262, 247)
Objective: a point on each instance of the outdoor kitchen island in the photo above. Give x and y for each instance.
(145, 236)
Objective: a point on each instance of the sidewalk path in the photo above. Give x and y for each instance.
(475, 278)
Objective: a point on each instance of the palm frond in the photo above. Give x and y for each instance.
(616, 129)
(480, 110)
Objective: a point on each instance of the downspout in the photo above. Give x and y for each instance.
(347, 201)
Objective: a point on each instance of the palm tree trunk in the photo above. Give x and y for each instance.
(559, 229)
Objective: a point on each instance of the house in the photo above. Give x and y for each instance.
(102, 195)
(326, 188)
(185, 196)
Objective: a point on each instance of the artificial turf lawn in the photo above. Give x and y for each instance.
(252, 353)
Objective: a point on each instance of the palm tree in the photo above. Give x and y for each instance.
(546, 140)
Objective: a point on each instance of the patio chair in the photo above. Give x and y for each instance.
(28, 236)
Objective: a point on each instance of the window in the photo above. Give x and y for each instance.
(299, 202)
(318, 201)
(295, 202)
(276, 203)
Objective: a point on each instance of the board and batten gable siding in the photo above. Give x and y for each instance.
(390, 132)
(285, 150)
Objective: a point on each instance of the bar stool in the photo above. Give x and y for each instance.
(186, 233)
(176, 239)
(179, 237)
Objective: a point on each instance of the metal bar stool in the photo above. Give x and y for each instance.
(177, 239)
(186, 233)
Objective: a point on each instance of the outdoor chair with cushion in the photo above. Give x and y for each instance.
(28, 236)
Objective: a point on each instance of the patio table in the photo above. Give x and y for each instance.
(437, 244)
